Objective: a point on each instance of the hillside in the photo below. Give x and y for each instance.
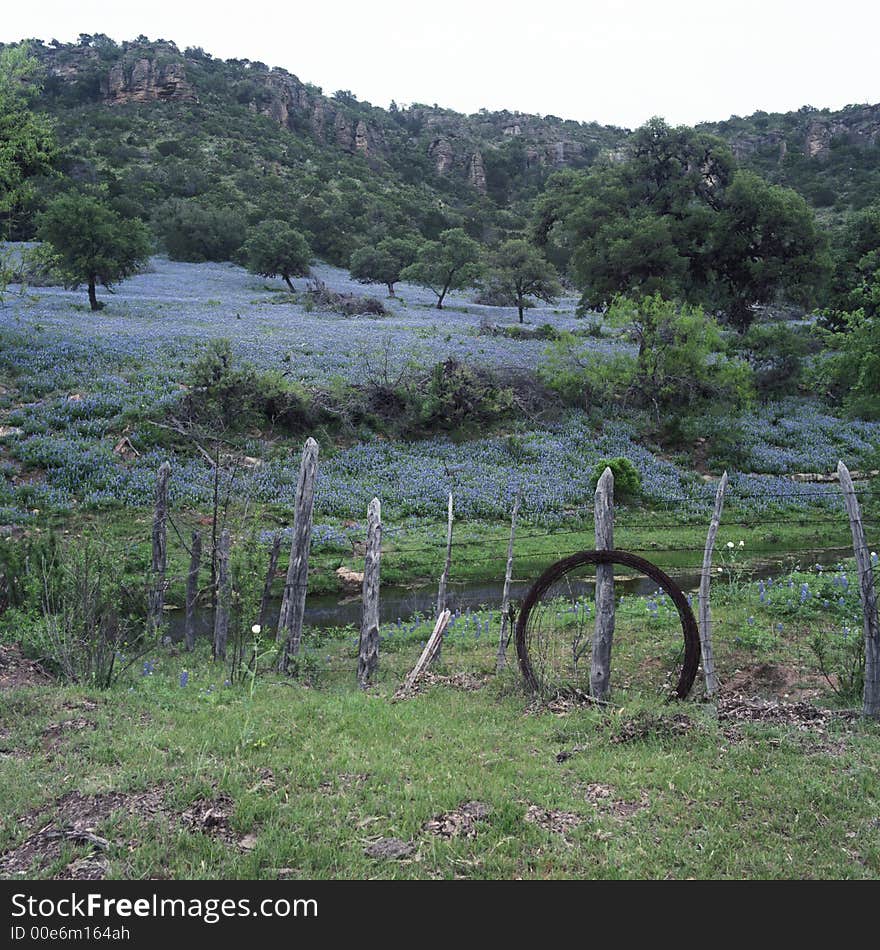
(163, 125)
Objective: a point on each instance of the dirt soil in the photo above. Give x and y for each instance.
(17, 671)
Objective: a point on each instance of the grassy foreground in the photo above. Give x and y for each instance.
(268, 778)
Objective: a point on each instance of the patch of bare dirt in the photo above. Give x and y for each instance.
(344, 782)
(76, 821)
(459, 823)
(393, 849)
(211, 817)
(464, 681)
(17, 671)
(565, 701)
(810, 722)
(603, 797)
(54, 733)
(558, 822)
(805, 716)
(775, 680)
(650, 726)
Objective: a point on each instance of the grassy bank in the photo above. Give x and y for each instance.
(179, 776)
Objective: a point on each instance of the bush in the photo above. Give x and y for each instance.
(627, 480)
(226, 393)
(86, 630)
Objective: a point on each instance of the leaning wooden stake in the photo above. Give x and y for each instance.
(270, 577)
(293, 604)
(224, 598)
(444, 577)
(192, 590)
(160, 549)
(705, 609)
(368, 654)
(600, 670)
(501, 660)
(868, 594)
(428, 654)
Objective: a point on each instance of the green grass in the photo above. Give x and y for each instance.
(711, 800)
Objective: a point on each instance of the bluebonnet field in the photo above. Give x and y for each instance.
(80, 379)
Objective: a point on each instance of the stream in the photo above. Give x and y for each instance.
(405, 603)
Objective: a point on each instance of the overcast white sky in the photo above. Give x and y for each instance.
(613, 62)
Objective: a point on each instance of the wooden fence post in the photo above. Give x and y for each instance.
(270, 576)
(444, 577)
(501, 660)
(868, 594)
(293, 604)
(427, 654)
(224, 597)
(160, 549)
(192, 590)
(603, 637)
(368, 653)
(705, 609)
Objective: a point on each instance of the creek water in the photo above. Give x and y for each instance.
(405, 603)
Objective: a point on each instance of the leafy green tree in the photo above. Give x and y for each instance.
(857, 263)
(27, 142)
(850, 370)
(677, 218)
(452, 262)
(764, 240)
(383, 262)
(276, 249)
(518, 270)
(194, 231)
(679, 366)
(91, 243)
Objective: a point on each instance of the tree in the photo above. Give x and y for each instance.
(764, 240)
(449, 263)
(383, 262)
(850, 370)
(519, 270)
(276, 249)
(197, 232)
(27, 143)
(91, 243)
(679, 365)
(857, 262)
(676, 217)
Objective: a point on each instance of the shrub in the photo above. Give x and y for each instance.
(627, 480)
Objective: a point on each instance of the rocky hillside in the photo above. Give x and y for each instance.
(163, 126)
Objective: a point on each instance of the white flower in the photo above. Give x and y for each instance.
(730, 544)
(742, 544)
(256, 628)
(720, 570)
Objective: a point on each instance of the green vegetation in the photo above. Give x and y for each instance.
(679, 219)
(276, 249)
(91, 243)
(384, 261)
(300, 788)
(452, 262)
(516, 272)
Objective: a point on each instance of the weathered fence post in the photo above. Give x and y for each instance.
(600, 669)
(160, 549)
(224, 596)
(868, 594)
(270, 576)
(192, 590)
(501, 660)
(427, 654)
(705, 609)
(293, 604)
(444, 577)
(368, 653)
